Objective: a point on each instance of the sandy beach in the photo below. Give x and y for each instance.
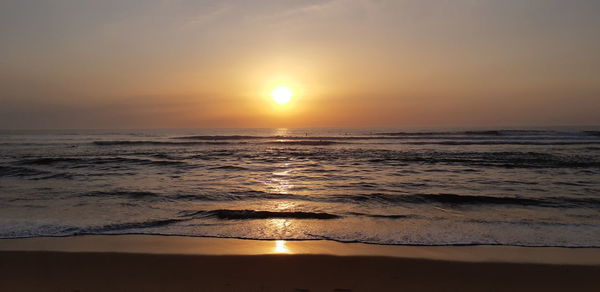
(159, 263)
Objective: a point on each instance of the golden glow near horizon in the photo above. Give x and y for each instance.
(285, 63)
(282, 95)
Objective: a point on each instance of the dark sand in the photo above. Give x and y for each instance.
(70, 269)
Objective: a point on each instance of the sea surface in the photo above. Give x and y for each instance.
(526, 187)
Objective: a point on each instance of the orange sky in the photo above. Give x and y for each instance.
(193, 64)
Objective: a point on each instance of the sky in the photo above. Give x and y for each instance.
(350, 63)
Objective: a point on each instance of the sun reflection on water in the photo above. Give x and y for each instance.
(279, 182)
(282, 206)
(281, 132)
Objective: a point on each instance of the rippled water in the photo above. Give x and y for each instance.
(510, 187)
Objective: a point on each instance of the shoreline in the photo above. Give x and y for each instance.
(171, 263)
(185, 245)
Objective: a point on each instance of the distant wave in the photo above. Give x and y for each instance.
(304, 143)
(137, 196)
(17, 171)
(123, 194)
(592, 133)
(480, 133)
(224, 197)
(277, 138)
(505, 159)
(376, 198)
(92, 161)
(252, 214)
(229, 167)
(160, 143)
(493, 133)
(487, 134)
(457, 138)
(56, 176)
(50, 160)
(32, 174)
(225, 137)
(255, 195)
(503, 142)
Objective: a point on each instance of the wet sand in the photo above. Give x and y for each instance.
(158, 263)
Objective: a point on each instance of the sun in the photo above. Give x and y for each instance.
(282, 95)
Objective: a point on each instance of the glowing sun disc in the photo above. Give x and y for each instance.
(282, 95)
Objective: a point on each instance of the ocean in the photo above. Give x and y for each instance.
(523, 187)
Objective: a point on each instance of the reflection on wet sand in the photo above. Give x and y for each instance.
(281, 247)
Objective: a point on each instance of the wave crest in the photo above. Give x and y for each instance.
(225, 214)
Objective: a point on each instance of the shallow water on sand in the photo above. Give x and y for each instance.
(434, 187)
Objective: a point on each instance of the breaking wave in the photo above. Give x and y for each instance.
(126, 226)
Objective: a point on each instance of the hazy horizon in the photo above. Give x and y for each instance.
(408, 128)
(356, 63)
